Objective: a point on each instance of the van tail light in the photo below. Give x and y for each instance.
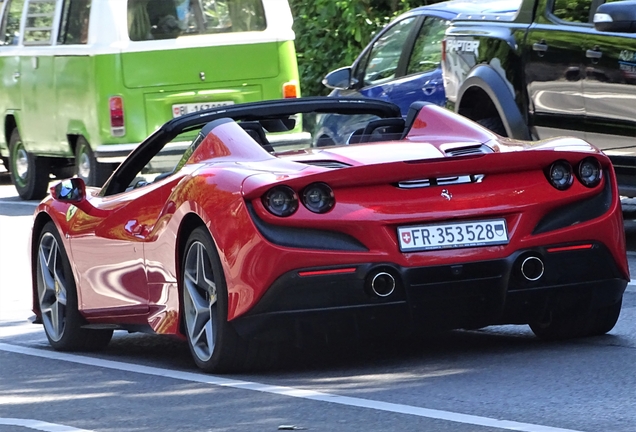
(116, 105)
(290, 90)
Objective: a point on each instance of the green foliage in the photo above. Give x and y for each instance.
(573, 10)
(332, 33)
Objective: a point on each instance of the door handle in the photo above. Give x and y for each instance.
(16, 76)
(540, 48)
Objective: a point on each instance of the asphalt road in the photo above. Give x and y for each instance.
(496, 379)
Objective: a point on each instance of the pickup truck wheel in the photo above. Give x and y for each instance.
(494, 124)
(29, 173)
(87, 168)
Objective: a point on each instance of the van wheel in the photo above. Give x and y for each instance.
(29, 173)
(87, 168)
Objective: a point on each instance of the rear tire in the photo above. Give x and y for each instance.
(606, 318)
(86, 166)
(57, 298)
(214, 344)
(29, 173)
(580, 322)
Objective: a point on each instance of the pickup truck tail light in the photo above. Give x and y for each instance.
(116, 106)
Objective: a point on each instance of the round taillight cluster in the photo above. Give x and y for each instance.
(283, 201)
(318, 198)
(560, 175)
(588, 171)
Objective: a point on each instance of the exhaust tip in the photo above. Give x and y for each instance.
(532, 268)
(382, 284)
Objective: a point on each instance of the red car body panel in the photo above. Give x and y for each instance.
(125, 256)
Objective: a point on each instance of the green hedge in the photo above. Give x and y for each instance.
(332, 33)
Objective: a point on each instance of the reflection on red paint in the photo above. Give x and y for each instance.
(419, 123)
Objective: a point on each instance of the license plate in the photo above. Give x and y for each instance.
(453, 235)
(182, 109)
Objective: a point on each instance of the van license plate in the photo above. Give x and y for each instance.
(182, 109)
(453, 235)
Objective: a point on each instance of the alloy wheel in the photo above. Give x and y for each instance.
(52, 289)
(200, 301)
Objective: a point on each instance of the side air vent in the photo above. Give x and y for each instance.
(468, 150)
(441, 181)
(327, 164)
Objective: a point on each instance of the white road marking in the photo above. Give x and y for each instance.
(39, 425)
(284, 391)
(32, 204)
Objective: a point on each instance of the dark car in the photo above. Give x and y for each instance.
(402, 63)
(551, 68)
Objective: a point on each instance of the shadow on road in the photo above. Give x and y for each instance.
(14, 206)
(5, 178)
(395, 353)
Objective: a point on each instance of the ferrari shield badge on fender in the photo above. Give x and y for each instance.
(70, 212)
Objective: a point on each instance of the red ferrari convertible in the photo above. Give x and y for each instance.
(221, 229)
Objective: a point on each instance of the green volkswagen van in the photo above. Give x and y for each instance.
(84, 81)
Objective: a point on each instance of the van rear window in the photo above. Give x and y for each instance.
(169, 19)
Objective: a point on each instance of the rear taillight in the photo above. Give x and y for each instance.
(560, 175)
(290, 90)
(116, 105)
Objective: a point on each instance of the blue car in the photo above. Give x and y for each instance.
(401, 64)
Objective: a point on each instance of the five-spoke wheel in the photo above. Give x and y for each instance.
(52, 287)
(200, 301)
(57, 298)
(214, 344)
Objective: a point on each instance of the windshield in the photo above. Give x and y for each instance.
(169, 19)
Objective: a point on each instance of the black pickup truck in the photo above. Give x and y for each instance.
(552, 67)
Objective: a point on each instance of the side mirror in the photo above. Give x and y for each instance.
(339, 79)
(71, 190)
(617, 17)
